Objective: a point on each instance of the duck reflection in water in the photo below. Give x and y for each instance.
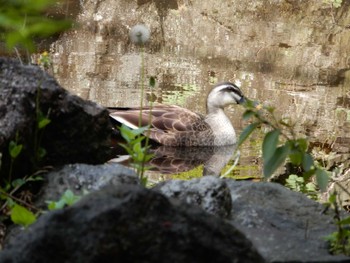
(174, 160)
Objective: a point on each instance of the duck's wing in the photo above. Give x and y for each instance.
(164, 120)
(168, 118)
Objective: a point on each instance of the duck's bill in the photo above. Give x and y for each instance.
(242, 100)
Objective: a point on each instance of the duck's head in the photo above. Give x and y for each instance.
(224, 94)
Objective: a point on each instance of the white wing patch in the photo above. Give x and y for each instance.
(123, 121)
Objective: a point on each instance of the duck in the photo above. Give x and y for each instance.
(171, 125)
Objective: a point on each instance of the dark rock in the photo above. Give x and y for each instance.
(210, 193)
(78, 132)
(285, 226)
(80, 178)
(130, 224)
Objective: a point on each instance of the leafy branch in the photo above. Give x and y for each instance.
(23, 21)
(135, 148)
(281, 143)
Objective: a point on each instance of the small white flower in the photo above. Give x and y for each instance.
(139, 34)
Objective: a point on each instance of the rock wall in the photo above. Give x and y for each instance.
(303, 42)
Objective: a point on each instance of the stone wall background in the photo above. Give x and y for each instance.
(301, 42)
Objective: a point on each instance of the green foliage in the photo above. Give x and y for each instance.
(298, 184)
(339, 240)
(14, 151)
(67, 199)
(246, 132)
(21, 21)
(42, 121)
(152, 82)
(22, 216)
(334, 3)
(134, 147)
(280, 144)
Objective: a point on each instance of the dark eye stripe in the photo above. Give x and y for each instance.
(230, 87)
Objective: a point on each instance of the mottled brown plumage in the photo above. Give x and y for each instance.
(175, 126)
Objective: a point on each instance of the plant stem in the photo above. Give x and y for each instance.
(142, 83)
(17, 200)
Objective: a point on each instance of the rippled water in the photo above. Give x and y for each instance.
(108, 70)
(321, 113)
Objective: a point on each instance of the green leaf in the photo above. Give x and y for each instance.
(18, 182)
(70, 198)
(276, 160)
(246, 132)
(248, 114)
(16, 37)
(307, 162)
(296, 157)
(269, 145)
(152, 81)
(345, 221)
(322, 179)
(41, 153)
(126, 147)
(15, 149)
(249, 104)
(137, 140)
(294, 182)
(144, 181)
(302, 144)
(43, 123)
(137, 147)
(332, 199)
(126, 133)
(140, 130)
(56, 205)
(148, 157)
(10, 202)
(22, 216)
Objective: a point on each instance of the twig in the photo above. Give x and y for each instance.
(17, 200)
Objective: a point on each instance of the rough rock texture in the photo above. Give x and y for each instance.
(78, 131)
(80, 178)
(130, 224)
(285, 226)
(210, 193)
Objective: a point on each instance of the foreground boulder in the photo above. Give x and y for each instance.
(285, 226)
(122, 220)
(81, 179)
(78, 130)
(210, 193)
(130, 224)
